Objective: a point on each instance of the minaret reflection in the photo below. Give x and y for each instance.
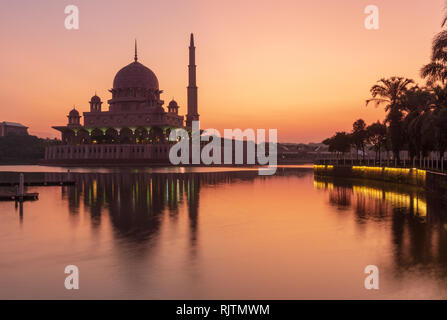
(193, 186)
(418, 220)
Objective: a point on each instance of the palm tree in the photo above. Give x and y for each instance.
(391, 93)
(436, 70)
(418, 103)
(440, 118)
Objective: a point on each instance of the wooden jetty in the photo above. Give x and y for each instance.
(38, 183)
(19, 194)
(12, 179)
(4, 196)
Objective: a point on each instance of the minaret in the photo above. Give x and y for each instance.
(192, 87)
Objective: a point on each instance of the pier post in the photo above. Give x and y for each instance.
(21, 211)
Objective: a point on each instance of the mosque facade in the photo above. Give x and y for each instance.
(134, 127)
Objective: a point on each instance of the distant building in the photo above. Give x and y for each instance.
(12, 129)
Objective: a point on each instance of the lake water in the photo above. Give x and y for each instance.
(216, 234)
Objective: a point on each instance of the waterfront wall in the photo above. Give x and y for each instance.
(128, 154)
(107, 152)
(397, 175)
(435, 182)
(150, 154)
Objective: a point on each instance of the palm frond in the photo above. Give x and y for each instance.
(434, 71)
(377, 101)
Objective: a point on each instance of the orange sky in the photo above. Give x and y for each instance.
(303, 67)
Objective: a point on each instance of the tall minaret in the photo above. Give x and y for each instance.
(192, 87)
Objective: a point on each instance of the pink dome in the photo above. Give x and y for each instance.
(135, 75)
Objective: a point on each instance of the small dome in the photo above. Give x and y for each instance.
(173, 103)
(73, 113)
(135, 75)
(95, 99)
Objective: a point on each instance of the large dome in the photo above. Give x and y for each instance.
(135, 75)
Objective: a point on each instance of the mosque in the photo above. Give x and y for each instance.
(134, 128)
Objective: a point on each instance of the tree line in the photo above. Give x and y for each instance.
(23, 149)
(416, 116)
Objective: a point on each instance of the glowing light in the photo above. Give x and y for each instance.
(95, 189)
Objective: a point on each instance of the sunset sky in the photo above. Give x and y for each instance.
(302, 67)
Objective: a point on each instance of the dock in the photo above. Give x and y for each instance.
(34, 179)
(15, 197)
(38, 183)
(21, 180)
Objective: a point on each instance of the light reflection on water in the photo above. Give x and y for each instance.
(223, 235)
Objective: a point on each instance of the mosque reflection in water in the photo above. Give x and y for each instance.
(136, 203)
(417, 221)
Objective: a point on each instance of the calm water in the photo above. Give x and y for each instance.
(215, 234)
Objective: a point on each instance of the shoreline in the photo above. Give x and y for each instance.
(431, 181)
